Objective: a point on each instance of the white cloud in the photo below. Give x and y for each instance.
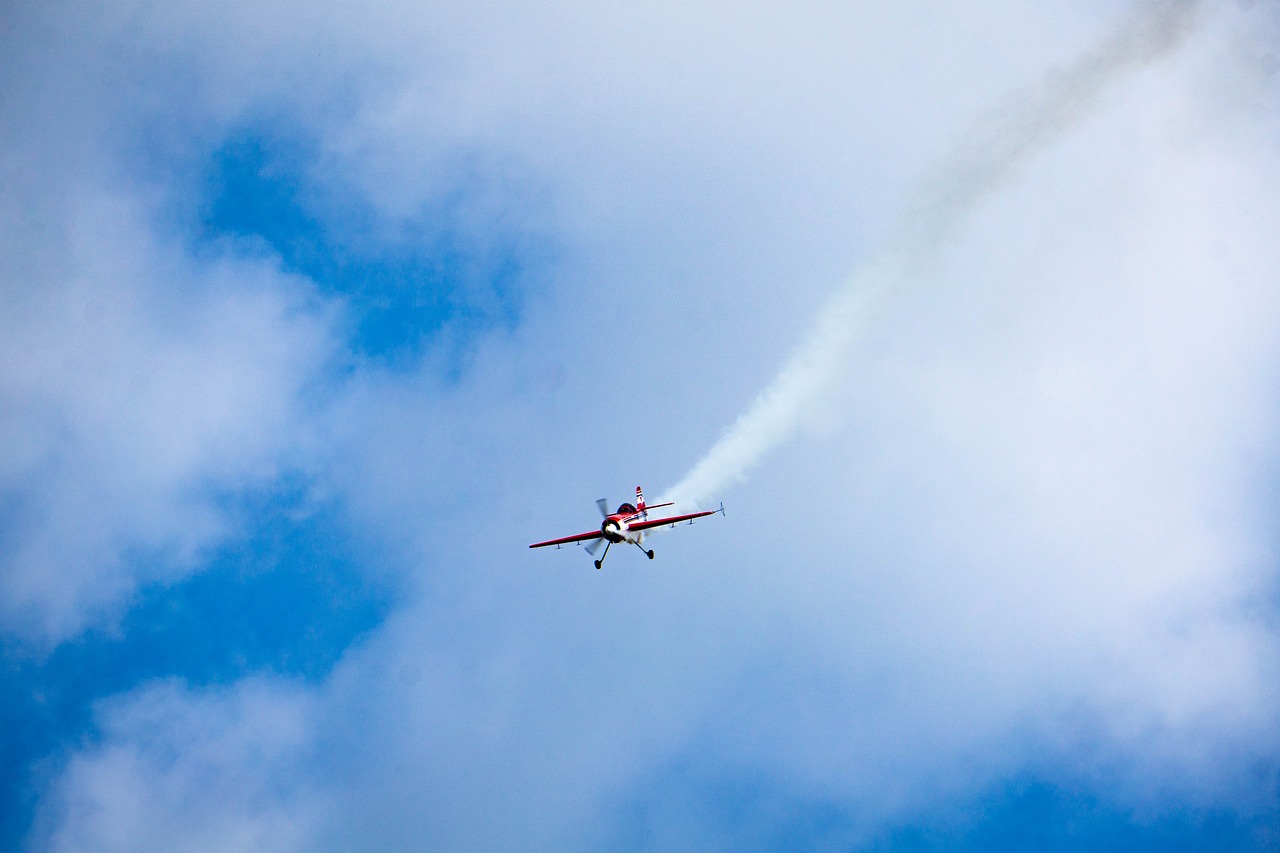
(138, 386)
(163, 780)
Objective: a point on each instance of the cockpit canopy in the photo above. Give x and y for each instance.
(626, 509)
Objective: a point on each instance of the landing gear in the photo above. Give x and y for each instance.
(608, 544)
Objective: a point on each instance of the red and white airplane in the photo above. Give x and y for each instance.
(626, 525)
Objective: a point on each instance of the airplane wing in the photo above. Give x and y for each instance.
(658, 522)
(581, 537)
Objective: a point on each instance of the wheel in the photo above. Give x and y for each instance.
(650, 553)
(597, 565)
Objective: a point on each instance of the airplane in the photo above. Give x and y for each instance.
(626, 525)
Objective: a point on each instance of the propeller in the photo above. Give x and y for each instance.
(594, 545)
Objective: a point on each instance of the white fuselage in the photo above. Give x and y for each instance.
(615, 528)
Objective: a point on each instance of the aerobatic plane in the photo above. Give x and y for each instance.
(626, 525)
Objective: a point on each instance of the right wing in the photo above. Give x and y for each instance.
(590, 534)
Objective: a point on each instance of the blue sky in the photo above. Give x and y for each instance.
(312, 318)
(400, 288)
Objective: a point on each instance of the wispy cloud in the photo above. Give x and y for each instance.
(979, 166)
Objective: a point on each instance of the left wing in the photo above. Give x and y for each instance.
(590, 534)
(658, 522)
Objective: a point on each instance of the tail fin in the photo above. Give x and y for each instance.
(639, 499)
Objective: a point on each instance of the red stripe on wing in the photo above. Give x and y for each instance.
(590, 534)
(658, 522)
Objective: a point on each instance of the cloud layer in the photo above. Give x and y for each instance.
(1025, 535)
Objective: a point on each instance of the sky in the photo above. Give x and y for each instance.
(314, 316)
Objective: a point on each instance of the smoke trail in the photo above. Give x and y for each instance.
(1030, 121)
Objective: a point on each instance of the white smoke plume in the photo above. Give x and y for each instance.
(1030, 121)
